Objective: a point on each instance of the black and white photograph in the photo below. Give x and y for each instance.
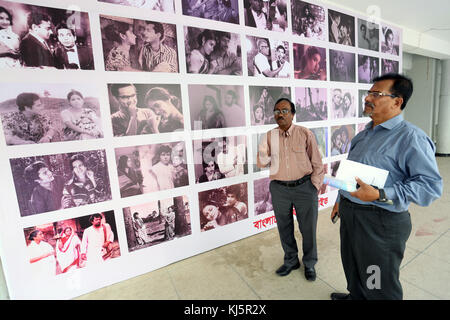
(311, 104)
(145, 108)
(390, 40)
(368, 35)
(216, 106)
(362, 96)
(60, 181)
(42, 113)
(262, 196)
(157, 5)
(310, 62)
(321, 135)
(212, 52)
(389, 66)
(342, 66)
(222, 206)
(341, 28)
(156, 222)
(68, 245)
(262, 103)
(151, 168)
(308, 20)
(266, 14)
(220, 158)
(138, 45)
(341, 137)
(268, 58)
(343, 103)
(44, 38)
(368, 68)
(256, 140)
(218, 10)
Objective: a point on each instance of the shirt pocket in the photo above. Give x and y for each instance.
(298, 149)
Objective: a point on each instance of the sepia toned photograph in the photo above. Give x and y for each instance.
(342, 66)
(343, 104)
(42, 113)
(368, 35)
(262, 103)
(214, 106)
(262, 196)
(55, 182)
(311, 104)
(390, 41)
(341, 136)
(157, 5)
(310, 62)
(212, 52)
(222, 206)
(362, 96)
(218, 10)
(308, 20)
(156, 222)
(151, 168)
(219, 158)
(368, 68)
(321, 135)
(44, 38)
(268, 58)
(145, 108)
(138, 45)
(266, 14)
(67, 245)
(389, 66)
(341, 28)
(256, 140)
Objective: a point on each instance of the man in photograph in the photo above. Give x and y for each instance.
(230, 158)
(255, 16)
(68, 55)
(155, 56)
(34, 48)
(131, 120)
(234, 113)
(96, 241)
(280, 54)
(262, 67)
(226, 62)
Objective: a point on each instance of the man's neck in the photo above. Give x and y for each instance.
(285, 128)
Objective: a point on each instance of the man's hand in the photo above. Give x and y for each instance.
(335, 211)
(365, 192)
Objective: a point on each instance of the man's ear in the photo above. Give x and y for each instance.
(398, 102)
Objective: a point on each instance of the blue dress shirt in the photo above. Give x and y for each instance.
(408, 154)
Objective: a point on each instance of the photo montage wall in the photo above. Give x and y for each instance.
(129, 129)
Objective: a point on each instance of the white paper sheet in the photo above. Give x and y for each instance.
(349, 169)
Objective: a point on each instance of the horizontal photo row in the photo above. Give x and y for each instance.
(41, 37)
(43, 113)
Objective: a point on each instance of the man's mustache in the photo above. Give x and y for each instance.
(369, 104)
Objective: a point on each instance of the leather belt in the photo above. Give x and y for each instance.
(295, 182)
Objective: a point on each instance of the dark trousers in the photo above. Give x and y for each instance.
(373, 239)
(304, 199)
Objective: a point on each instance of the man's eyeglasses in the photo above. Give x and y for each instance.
(377, 94)
(284, 111)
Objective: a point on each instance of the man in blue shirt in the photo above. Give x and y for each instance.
(375, 223)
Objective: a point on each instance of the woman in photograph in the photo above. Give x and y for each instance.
(310, 66)
(258, 115)
(198, 60)
(364, 70)
(211, 172)
(388, 45)
(28, 125)
(167, 107)
(210, 115)
(163, 171)
(9, 41)
(216, 217)
(130, 182)
(81, 121)
(121, 34)
(169, 223)
(68, 250)
(345, 140)
(336, 143)
(140, 230)
(42, 255)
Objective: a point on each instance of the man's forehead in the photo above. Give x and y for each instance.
(283, 105)
(382, 86)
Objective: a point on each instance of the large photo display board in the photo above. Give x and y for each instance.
(129, 129)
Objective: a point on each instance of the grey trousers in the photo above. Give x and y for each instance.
(304, 199)
(372, 239)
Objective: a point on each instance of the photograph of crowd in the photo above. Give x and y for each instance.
(268, 58)
(310, 62)
(218, 10)
(219, 158)
(389, 66)
(222, 206)
(60, 181)
(214, 106)
(156, 222)
(212, 52)
(145, 108)
(157, 5)
(40, 37)
(368, 35)
(262, 196)
(342, 66)
(262, 102)
(368, 68)
(311, 104)
(390, 42)
(138, 45)
(341, 28)
(67, 245)
(321, 135)
(308, 20)
(266, 14)
(341, 136)
(343, 104)
(151, 168)
(41, 113)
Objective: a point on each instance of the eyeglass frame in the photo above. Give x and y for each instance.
(377, 94)
(283, 111)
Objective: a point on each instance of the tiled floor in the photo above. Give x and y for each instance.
(245, 269)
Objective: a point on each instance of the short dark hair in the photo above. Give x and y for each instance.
(77, 157)
(402, 86)
(235, 190)
(290, 102)
(116, 86)
(157, 27)
(281, 47)
(26, 100)
(36, 18)
(31, 172)
(33, 234)
(95, 215)
(63, 25)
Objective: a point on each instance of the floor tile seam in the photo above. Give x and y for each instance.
(402, 279)
(173, 284)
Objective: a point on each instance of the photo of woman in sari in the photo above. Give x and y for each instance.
(68, 250)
